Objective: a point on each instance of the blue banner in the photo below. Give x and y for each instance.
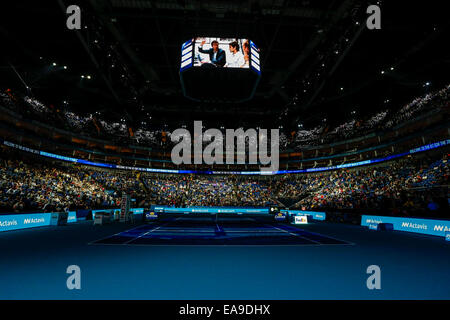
(416, 225)
(212, 210)
(72, 217)
(341, 166)
(137, 210)
(23, 221)
(112, 211)
(314, 214)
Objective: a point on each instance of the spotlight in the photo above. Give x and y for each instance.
(54, 64)
(65, 67)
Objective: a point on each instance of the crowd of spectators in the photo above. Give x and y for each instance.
(208, 191)
(400, 187)
(396, 187)
(30, 185)
(382, 120)
(146, 135)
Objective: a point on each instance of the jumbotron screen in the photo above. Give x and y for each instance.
(221, 52)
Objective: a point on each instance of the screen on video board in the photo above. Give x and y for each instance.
(221, 52)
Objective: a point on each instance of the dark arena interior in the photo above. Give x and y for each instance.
(224, 150)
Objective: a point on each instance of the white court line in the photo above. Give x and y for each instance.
(185, 231)
(226, 231)
(327, 236)
(222, 245)
(187, 228)
(294, 234)
(115, 234)
(150, 231)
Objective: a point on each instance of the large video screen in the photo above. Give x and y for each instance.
(221, 52)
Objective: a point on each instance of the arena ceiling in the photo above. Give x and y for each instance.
(319, 60)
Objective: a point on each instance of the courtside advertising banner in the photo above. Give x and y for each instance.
(316, 215)
(22, 221)
(425, 226)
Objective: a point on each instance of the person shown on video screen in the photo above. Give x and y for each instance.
(236, 59)
(216, 55)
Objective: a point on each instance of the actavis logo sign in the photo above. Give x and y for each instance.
(8, 223)
(33, 220)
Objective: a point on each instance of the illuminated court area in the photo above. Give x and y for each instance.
(213, 231)
(209, 258)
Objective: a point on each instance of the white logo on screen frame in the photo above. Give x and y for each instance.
(214, 151)
(74, 280)
(374, 20)
(73, 22)
(374, 281)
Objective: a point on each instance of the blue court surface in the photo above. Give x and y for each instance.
(207, 231)
(181, 259)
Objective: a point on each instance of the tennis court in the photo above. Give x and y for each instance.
(213, 230)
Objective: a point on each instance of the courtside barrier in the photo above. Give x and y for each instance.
(385, 227)
(315, 215)
(16, 221)
(416, 225)
(114, 212)
(59, 218)
(10, 222)
(72, 217)
(212, 210)
(82, 214)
